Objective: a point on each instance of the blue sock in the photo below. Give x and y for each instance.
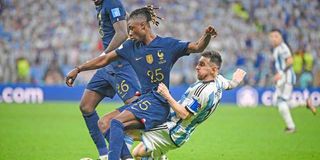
(144, 158)
(125, 152)
(107, 135)
(116, 141)
(92, 124)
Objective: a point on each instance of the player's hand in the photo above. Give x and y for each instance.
(163, 91)
(238, 75)
(277, 77)
(211, 31)
(71, 76)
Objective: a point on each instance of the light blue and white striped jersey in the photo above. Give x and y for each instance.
(280, 54)
(200, 99)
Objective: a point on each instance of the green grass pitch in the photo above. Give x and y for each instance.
(54, 131)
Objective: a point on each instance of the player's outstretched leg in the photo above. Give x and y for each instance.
(286, 115)
(117, 134)
(89, 101)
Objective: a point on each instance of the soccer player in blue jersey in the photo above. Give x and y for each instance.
(198, 102)
(152, 57)
(116, 78)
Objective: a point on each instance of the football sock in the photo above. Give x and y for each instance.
(285, 113)
(128, 142)
(116, 139)
(91, 120)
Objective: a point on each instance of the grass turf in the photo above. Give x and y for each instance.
(57, 131)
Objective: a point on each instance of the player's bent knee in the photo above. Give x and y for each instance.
(135, 153)
(103, 123)
(89, 101)
(86, 109)
(139, 151)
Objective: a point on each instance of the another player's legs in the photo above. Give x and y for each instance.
(140, 152)
(283, 94)
(89, 102)
(98, 88)
(310, 106)
(286, 115)
(104, 125)
(117, 134)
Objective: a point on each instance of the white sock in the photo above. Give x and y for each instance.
(286, 115)
(129, 141)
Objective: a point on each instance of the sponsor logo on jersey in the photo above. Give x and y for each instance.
(115, 12)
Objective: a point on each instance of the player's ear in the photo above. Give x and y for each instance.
(214, 69)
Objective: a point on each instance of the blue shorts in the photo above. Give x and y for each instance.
(149, 110)
(118, 77)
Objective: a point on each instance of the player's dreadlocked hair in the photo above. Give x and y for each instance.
(148, 13)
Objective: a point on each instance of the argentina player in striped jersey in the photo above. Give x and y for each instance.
(284, 79)
(198, 102)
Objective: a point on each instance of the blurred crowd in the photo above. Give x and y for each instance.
(40, 41)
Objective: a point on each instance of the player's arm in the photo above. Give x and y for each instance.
(199, 45)
(181, 111)
(92, 64)
(289, 63)
(119, 37)
(237, 78)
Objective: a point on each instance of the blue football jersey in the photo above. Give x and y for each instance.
(108, 13)
(153, 62)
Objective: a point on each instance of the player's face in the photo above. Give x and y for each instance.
(275, 39)
(136, 29)
(206, 69)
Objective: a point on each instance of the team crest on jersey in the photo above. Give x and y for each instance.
(149, 58)
(161, 57)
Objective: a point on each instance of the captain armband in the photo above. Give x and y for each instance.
(193, 106)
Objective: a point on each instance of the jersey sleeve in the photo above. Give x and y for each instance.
(224, 82)
(286, 52)
(125, 50)
(179, 48)
(116, 11)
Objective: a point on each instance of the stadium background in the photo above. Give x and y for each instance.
(40, 41)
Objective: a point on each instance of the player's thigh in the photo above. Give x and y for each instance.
(133, 124)
(127, 84)
(125, 116)
(89, 101)
(102, 82)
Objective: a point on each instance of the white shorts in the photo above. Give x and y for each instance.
(157, 141)
(283, 92)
